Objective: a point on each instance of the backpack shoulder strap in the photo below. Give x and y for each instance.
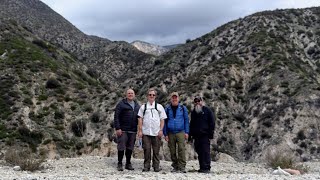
(145, 108)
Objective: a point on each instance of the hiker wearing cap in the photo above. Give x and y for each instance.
(176, 130)
(126, 123)
(150, 129)
(202, 126)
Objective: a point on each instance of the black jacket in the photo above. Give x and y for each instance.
(126, 118)
(202, 123)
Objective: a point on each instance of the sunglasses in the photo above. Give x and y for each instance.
(151, 94)
(196, 101)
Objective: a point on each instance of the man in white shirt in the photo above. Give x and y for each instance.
(150, 129)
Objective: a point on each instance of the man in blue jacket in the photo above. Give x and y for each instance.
(202, 127)
(126, 123)
(176, 130)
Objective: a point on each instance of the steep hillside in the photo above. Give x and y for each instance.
(111, 60)
(260, 74)
(48, 99)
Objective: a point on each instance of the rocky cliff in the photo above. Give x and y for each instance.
(149, 48)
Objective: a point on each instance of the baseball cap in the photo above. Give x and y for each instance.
(174, 94)
(197, 98)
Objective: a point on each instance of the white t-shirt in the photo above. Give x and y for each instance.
(151, 118)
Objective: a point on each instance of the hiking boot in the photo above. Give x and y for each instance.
(145, 169)
(157, 169)
(183, 170)
(174, 170)
(129, 167)
(119, 167)
(206, 171)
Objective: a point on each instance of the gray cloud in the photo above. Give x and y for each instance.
(161, 22)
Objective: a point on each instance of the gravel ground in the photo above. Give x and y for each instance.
(94, 167)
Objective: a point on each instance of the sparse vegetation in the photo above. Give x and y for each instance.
(24, 158)
(78, 127)
(284, 159)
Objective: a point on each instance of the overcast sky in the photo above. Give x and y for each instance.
(161, 22)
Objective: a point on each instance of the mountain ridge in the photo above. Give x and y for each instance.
(259, 73)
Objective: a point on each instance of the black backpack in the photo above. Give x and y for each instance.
(145, 108)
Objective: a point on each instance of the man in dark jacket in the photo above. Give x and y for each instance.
(126, 123)
(176, 130)
(201, 130)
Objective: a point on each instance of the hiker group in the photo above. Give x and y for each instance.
(151, 122)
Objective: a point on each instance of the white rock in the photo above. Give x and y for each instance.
(16, 168)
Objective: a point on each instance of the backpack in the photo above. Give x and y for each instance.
(145, 108)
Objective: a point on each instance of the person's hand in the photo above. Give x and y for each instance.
(140, 134)
(190, 139)
(186, 136)
(166, 138)
(119, 132)
(160, 134)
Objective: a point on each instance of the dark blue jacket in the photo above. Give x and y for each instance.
(202, 123)
(178, 124)
(126, 118)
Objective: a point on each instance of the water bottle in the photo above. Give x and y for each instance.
(140, 143)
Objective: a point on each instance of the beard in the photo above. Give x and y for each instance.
(198, 109)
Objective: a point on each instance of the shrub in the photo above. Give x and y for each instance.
(88, 108)
(93, 73)
(40, 43)
(27, 101)
(279, 157)
(42, 97)
(52, 83)
(240, 117)
(58, 114)
(23, 158)
(301, 135)
(224, 97)
(95, 118)
(78, 127)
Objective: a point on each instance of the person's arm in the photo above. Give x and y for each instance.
(160, 134)
(162, 116)
(211, 122)
(116, 119)
(140, 122)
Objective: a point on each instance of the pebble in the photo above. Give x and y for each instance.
(93, 167)
(16, 168)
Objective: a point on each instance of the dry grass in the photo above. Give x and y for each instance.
(24, 158)
(285, 159)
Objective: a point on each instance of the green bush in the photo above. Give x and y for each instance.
(78, 127)
(52, 83)
(301, 135)
(42, 97)
(95, 118)
(27, 101)
(58, 114)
